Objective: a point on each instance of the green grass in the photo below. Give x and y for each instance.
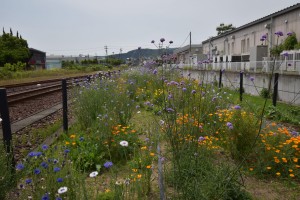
(283, 112)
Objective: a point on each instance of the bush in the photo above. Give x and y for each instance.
(265, 93)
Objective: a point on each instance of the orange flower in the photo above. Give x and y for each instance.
(269, 168)
(292, 175)
(143, 148)
(67, 143)
(148, 166)
(139, 176)
(251, 169)
(152, 154)
(284, 160)
(290, 170)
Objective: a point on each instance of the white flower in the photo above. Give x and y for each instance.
(124, 143)
(161, 122)
(138, 112)
(0, 119)
(93, 174)
(118, 183)
(62, 190)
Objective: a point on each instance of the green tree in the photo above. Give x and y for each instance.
(13, 49)
(222, 28)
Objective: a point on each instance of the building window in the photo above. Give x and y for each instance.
(248, 44)
(243, 46)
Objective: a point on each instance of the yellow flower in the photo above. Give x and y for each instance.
(292, 175)
(290, 170)
(73, 143)
(277, 151)
(284, 160)
(297, 166)
(107, 190)
(72, 136)
(269, 168)
(67, 143)
(251, 169)
(278, 173)
(152, 154)
(139, 176)
(134, 170)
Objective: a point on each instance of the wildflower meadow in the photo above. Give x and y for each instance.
(150, 133)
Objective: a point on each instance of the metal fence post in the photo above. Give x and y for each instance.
(275, 92)
(5, 119)
(241, 86)
(7, 136)
(65, 105)
(220, 79)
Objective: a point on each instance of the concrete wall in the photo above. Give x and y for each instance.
(288, 84)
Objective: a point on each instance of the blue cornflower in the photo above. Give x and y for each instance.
(20, 166)
(81, 139)
(44, 164)
(55, 161)
(56, 169)
(59, 180)
(28, 181)
(45, 147)
(37, 171)
(46, 197)
(67, 151)
(108, 164)
(58, 198)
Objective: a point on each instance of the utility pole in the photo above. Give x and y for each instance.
(120, 53)
(190, 49)
(105, 47)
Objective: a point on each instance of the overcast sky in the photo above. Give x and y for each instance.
(64, 27)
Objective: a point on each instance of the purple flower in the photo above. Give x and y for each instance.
(58, 198)
(229, 125)
(162, 40)
(251, 78)
(286, 54)
(193, 91)
(37, 171)
(294, 133)
(290, 33)
(289, 64)
(171, 42)
(170, 110)
(59, 180)
(56, 169)
(108, 164)
(201, 139)
(152, 41)
(237, 107)
(184, 89)
(213, 99)
(155, 71)
(279, 33)
(67, 151)
(28, 181)
(20, 166)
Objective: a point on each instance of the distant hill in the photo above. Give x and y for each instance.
(144, 53)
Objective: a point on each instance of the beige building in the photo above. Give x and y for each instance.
(189, 55)
(244, 43)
